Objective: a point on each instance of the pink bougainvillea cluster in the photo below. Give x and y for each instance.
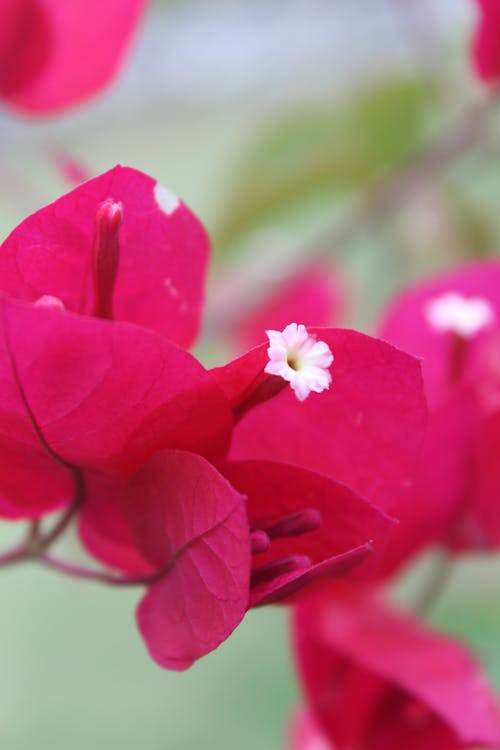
(310, 470)
(219, 490)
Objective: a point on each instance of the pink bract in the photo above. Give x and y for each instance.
(377, 679)
(73, 396)
(455, 494)
(486, 42)
(54, 55)
(365, 431)
(163, 254)
(349, 528)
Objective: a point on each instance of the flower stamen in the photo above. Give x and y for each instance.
(453, 313)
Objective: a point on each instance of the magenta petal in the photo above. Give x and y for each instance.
(43, 72)
(432, 511)
(367, 650)
(187, 518)
(288, 586)
(278, 490)
(365, 431)
(32, 479)
(31, 482)
(486, 43)
(105, 395)
(163, 254)
(104, 528)
(12, 19)
(486, 507)
(305, 733)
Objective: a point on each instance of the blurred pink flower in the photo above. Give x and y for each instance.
(56, 54)
(453, 323)
(311, 294)
(377, 679)
(486, 43)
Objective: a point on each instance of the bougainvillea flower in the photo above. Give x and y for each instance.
(301, 528)
(54, 54)
(163, 252)
(486, 43)
(377, 679)
(119, 420)
(453, 323)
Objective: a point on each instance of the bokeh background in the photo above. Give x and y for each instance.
(350, 131)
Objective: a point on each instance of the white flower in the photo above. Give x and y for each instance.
(300, 359)
(452, 312)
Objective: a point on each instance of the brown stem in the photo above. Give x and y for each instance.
(35, 542)
(77, 571)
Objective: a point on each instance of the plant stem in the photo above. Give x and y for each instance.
(77, 571)
(382, 199)
(435, 584)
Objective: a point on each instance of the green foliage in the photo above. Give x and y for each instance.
(320, 153)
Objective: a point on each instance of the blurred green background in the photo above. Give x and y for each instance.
(296, 130)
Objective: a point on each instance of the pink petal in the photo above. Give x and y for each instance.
(190, 521)
(12, 19)
(390, 649)
(486, 43)
(104, 527)
(433, 511)
(292, 586)
(275, 491)
(162, 263)
(364, 432)
(31, 481)
(65, 52)
(486, 505)
(305, 733)
(100, 394)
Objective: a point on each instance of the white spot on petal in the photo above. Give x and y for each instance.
(50, 303)
(452, 312)
(300, 359)
(167, 201)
